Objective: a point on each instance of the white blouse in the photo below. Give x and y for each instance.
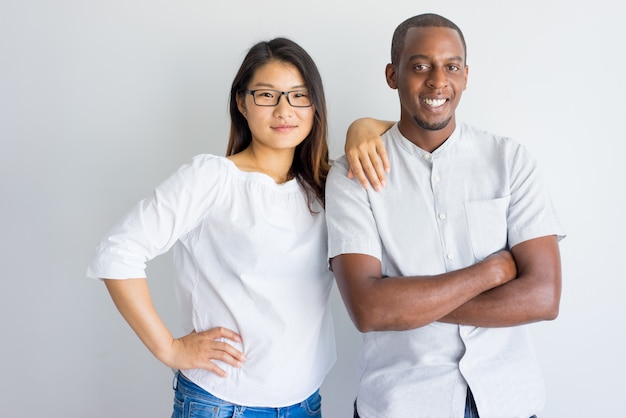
(249, 256)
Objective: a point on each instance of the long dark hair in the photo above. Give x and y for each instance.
(310, 162)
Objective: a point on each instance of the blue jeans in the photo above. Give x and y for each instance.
(191, 401)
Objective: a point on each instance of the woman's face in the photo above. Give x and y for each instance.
(282, 126)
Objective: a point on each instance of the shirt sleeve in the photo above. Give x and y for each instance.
(351, 223)
(156, 223)
(531, 213)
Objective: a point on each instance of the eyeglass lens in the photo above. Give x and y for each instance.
(296, 98)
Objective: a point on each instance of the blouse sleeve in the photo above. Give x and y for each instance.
(153, 226)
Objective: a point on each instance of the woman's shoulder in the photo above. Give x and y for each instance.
(207, 161)
(199, 172)
(202, 165)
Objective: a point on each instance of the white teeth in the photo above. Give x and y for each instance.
(435, 102)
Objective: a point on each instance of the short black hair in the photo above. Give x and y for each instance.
(427, 20)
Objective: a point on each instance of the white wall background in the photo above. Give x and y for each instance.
(101, 100)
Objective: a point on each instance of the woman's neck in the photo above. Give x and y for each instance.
(271, 162)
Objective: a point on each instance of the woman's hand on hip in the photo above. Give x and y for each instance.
(198, 350)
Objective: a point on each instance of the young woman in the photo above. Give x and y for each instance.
(249, 242)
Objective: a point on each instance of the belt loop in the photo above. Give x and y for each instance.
(175, 380)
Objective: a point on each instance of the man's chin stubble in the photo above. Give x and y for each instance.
(432, 126)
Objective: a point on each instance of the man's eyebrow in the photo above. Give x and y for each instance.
(418, 56)
(427, 57)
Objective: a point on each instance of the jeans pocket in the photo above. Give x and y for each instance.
(313, 405)
(204, 410)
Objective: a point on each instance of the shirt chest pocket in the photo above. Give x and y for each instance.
(487, 224)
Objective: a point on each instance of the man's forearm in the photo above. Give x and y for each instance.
(401, 303)
(533, 296)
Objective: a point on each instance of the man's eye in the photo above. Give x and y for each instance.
(420, 67)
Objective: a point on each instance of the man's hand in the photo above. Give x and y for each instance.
(502, 266)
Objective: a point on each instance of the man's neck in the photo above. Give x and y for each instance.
(428, 140)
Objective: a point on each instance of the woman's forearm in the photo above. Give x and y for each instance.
(132, 298)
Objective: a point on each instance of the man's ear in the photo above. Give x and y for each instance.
(466, 74)
(390, 74)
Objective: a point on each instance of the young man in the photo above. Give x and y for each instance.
(441, 268)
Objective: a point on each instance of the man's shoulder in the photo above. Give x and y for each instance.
(337, 180)
(339, 164)
(468, 131)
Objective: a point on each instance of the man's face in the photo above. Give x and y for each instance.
(430, 76)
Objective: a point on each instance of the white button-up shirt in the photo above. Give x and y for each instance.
(249, 256)
(442, 211)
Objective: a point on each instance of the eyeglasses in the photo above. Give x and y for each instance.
(266, 97)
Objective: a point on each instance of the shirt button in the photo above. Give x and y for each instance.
(450, 256)
(442, 216)
(427, 156)
(436, 179)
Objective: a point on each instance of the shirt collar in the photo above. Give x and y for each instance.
(416, 151)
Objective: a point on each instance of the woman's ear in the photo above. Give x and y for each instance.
(241, 104)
